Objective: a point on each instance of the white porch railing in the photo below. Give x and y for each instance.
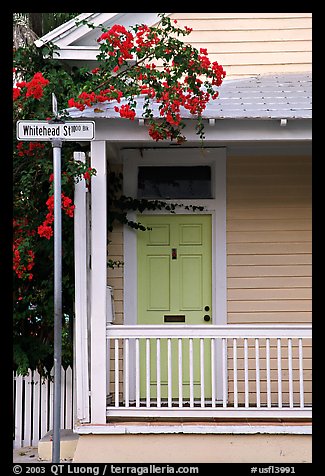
(209, 371)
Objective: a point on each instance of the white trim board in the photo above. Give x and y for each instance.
(124, 429)
(79, 42)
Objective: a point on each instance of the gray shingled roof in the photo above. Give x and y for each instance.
(286, 96)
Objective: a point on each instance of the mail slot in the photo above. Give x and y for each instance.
(175, 318)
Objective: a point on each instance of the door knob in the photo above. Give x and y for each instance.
(207, 308)
(207, 318)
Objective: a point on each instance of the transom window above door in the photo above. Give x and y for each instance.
(170, 182)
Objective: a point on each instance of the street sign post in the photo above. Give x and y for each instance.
(56, 131)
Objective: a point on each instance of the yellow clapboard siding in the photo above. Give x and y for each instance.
(273, 365)
(270, 305)
(239, 71)
(307, 359)
(261, 58)
(288, 224)
(273, 374)
(269, 252)
(269, 175)
(293, 186)
(253, 35)
(248, 24)
(274, 392)
(118, 294)
(307, 353)
(264, 248)
(116, 283)
(279, 160)
(115, 252)
(273, 343)
(266, 237)
(269, 191)
(202, 15)
(271, 178)
(268, 294)
(261, 271)
(269, 213)
(266, 202)
(269, 172)
(118, 306)
(115, 273)
(269, 282)
(268, 160)
(279, 317)
(247, 44)
(256, 47)
(272, 260)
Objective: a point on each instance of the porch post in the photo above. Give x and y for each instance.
(81, 355)
(98, 240)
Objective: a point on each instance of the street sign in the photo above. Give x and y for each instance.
(46, 131)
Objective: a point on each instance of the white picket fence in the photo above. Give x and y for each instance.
(33, 406)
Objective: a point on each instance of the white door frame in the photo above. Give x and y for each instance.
(216, 158)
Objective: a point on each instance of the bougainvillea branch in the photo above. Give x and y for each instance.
(166, 71)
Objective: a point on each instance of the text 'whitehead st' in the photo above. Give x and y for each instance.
(44, 131)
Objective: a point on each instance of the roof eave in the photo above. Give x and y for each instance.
(222, 131)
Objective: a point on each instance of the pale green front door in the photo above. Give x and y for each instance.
(174, 287)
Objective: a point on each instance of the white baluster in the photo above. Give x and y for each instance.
(268, 374)
(137, 373)
(116, 366)
(213, 372)
(169, 380)
(301, 375)
(234, 347)
(202, 370)
(180, 373)
(279, 358)
(246, 372)
(191, 373)
(258, 382)
(148, 372)
(127, 374)
(158, 374)
(224, 373)
(290, 373)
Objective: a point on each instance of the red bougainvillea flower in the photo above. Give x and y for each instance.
(120, 41)
(126, 111)
(30, 149)
(23, 256)
(173, 74)
(36, 85)
(34, 88)
(16, 93)
(45, 231)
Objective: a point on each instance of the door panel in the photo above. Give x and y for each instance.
(158, 283)
(190, 282)
(174, 279)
